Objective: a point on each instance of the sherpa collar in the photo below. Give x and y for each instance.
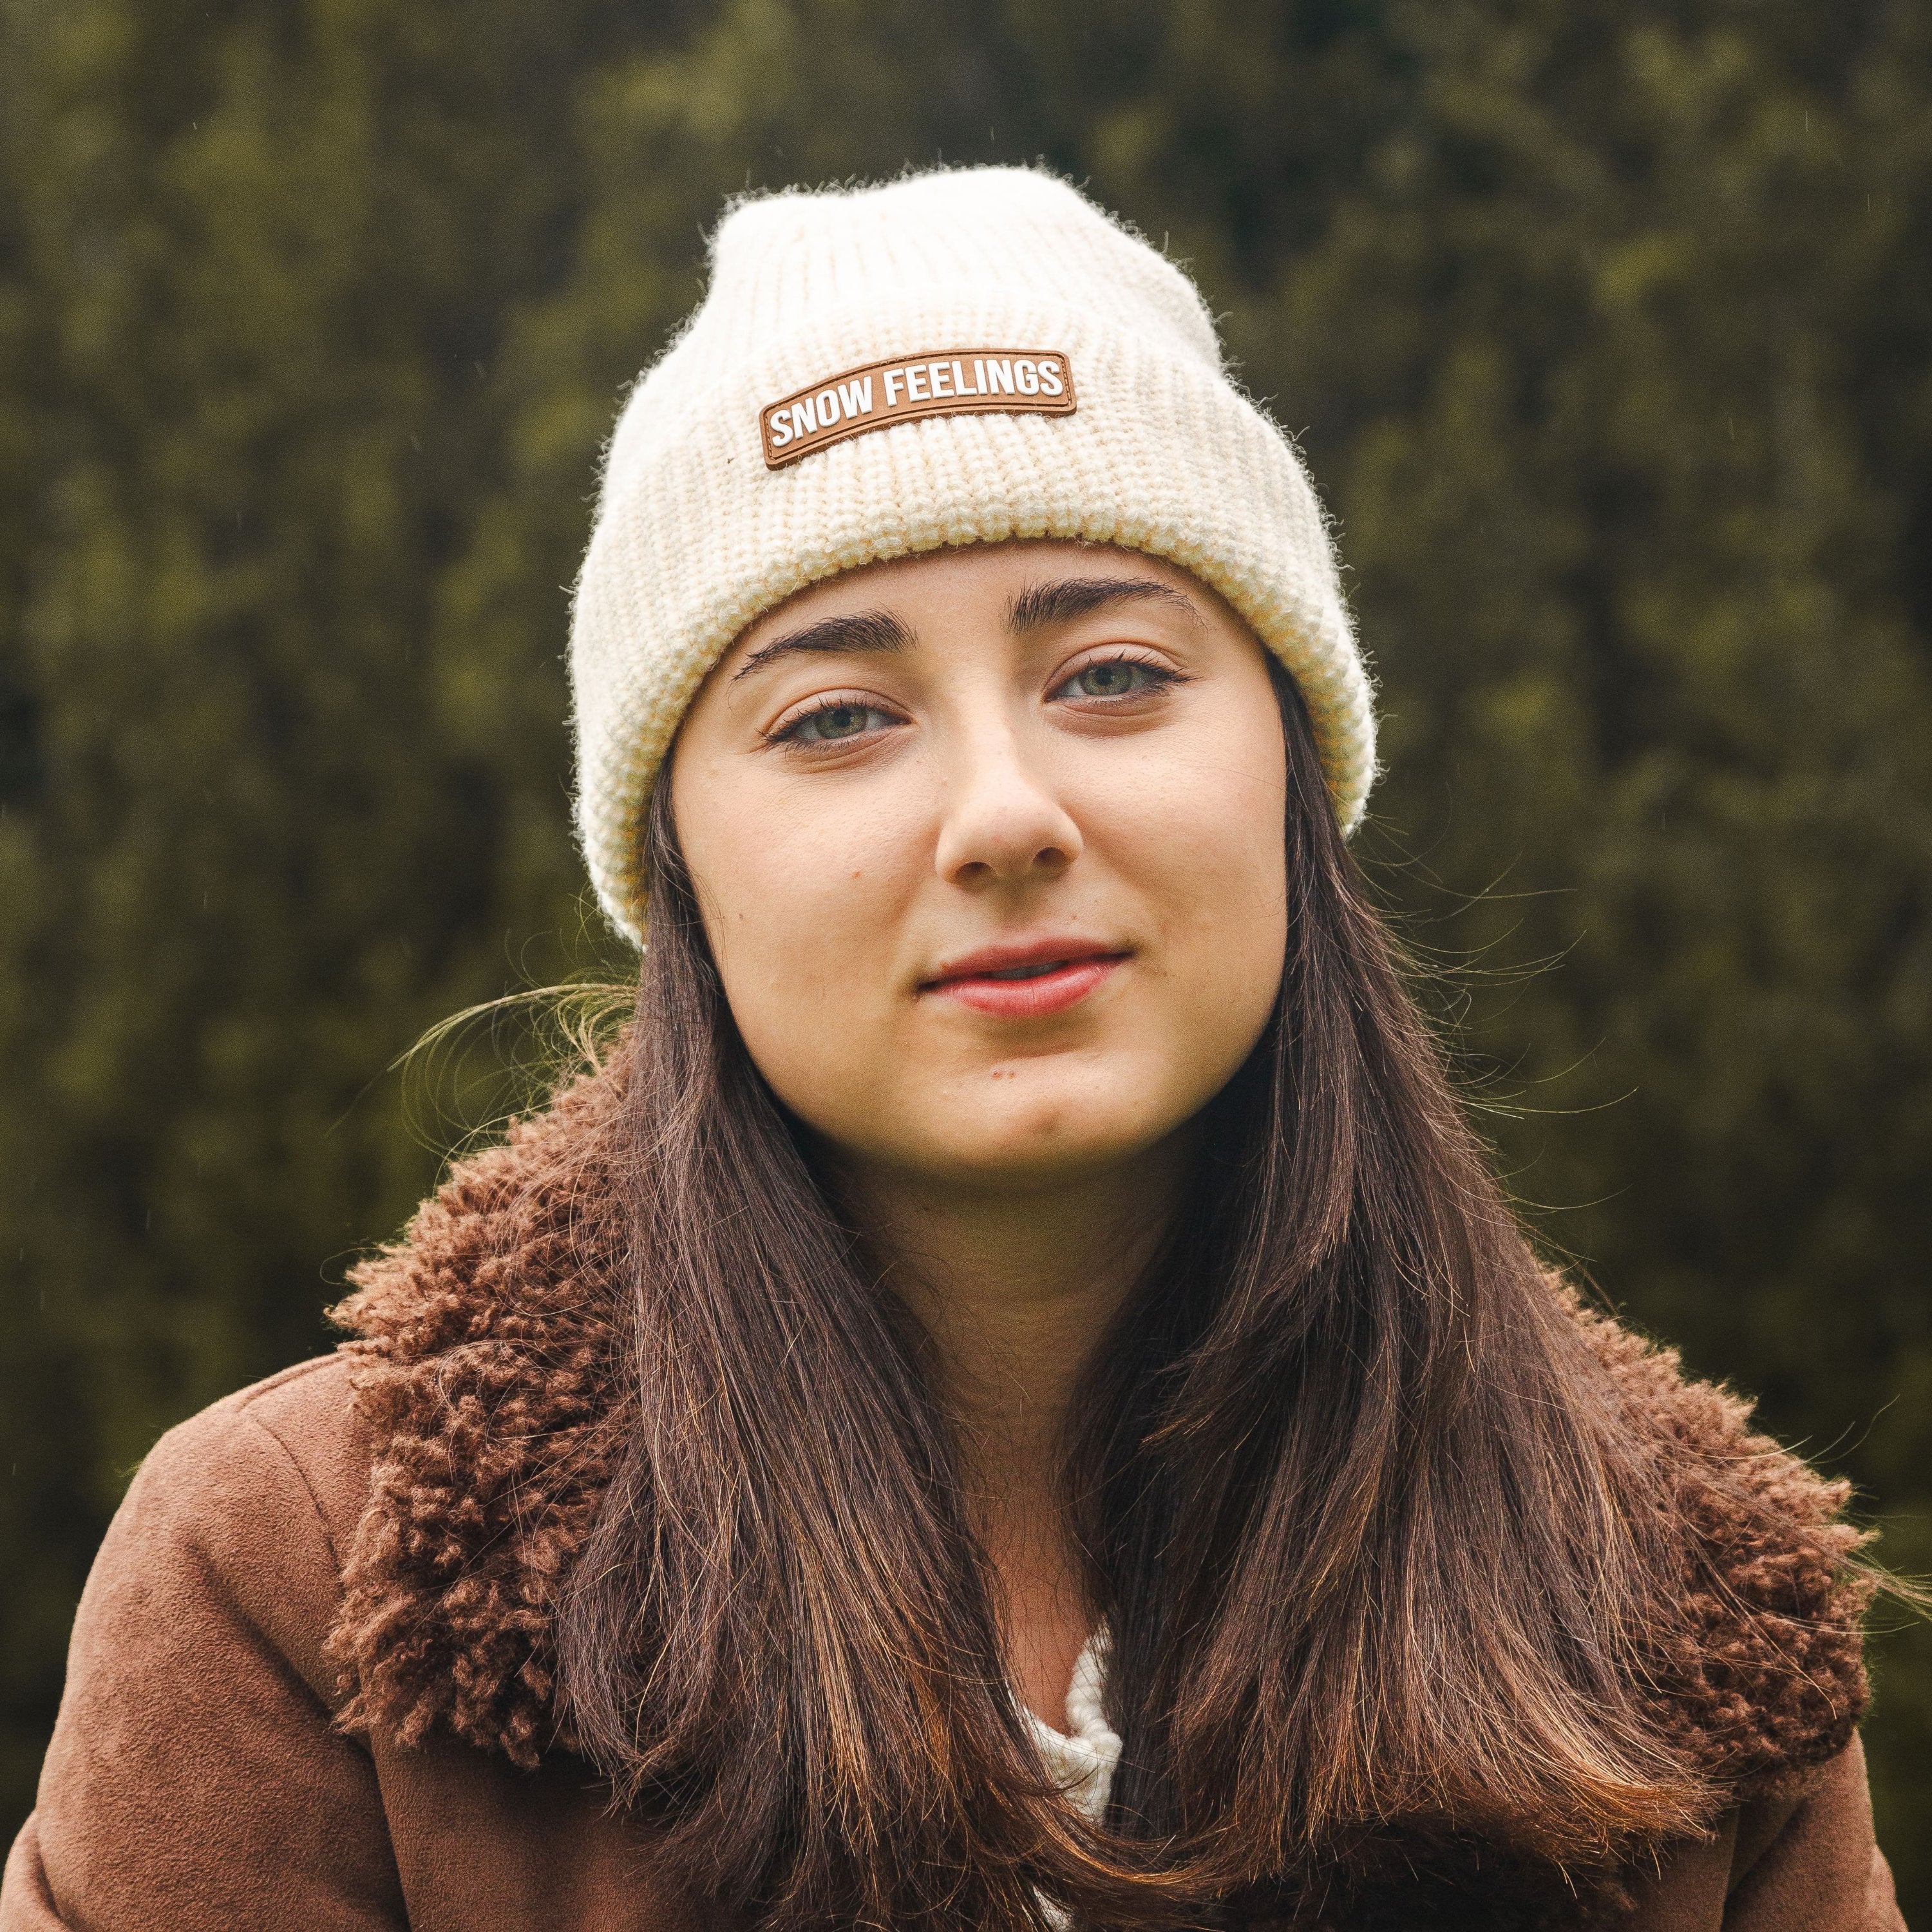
(485, 1360)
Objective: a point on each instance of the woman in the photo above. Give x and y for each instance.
(1010, 1394)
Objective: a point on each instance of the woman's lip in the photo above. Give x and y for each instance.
(1064, 983)
(1050, 951)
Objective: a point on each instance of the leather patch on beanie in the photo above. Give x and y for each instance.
(902, 388)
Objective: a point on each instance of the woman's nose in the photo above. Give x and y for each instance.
(1004, 823)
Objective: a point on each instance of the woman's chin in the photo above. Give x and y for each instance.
(1019, 1150)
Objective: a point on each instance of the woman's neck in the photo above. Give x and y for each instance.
(1014, 1286)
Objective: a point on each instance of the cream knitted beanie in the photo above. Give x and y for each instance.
(958, 357)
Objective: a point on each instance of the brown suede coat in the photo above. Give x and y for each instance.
(310, 1682)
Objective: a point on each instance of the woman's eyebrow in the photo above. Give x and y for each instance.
(869, 630)
(1070, 597)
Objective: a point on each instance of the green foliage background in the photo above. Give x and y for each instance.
(1604, 323)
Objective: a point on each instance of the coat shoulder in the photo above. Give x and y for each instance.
(303, 1420)
(259, 1495)
(195, 1777)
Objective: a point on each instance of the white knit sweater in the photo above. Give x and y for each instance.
(1082, 1757)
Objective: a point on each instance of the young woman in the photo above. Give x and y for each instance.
(1009, 1395)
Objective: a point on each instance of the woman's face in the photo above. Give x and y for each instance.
(989, 847)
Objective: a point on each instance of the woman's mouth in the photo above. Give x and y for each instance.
(1026, 982)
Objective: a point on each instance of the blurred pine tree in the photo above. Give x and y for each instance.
(1605, 327)
(1638, 517)
(260, 826)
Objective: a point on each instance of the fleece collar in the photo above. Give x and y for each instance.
(485, 1359)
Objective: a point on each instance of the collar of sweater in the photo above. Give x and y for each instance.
(1082, 1758)
(484, 1353)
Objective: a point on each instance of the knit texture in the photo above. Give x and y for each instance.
(1082, 1759)
(695, 537)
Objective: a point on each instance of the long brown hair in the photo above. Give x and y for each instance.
(1375, 1542)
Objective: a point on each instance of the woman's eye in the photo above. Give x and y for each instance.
(831, 723)
(1116, 677)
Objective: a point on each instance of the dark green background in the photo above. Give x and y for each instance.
(1604, 324)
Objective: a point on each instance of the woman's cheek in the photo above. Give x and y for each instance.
(803, 949)
(1220, 897)
(1204, 842)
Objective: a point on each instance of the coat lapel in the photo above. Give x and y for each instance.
(485, 1347)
